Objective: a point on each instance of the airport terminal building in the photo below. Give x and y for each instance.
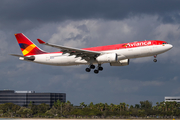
(23, 98)
(171, 99)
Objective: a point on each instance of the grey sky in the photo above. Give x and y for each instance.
(92, 23)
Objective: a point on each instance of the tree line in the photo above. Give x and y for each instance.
(99, 110)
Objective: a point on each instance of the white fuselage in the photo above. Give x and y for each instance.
(59, 59)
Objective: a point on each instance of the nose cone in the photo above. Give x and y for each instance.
(170, 46)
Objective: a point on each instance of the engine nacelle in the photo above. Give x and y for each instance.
(109, 57)
(120, 63)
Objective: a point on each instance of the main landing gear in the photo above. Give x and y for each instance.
(96, 71)
(155, 60)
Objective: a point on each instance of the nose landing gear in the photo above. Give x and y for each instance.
(155, 60)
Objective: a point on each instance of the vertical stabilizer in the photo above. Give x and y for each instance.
(27, 46)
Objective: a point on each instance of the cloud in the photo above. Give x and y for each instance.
(175, 78)
(152, 83)
(30, 14)
(3, 46)
(69, 36)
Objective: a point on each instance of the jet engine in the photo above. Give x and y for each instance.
(120, 63)
(109, 57)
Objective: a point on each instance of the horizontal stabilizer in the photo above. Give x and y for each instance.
(17, 55)
(32, 58)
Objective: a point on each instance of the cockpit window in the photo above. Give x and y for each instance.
(164, 43)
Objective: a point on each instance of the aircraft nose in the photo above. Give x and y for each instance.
(170, 46)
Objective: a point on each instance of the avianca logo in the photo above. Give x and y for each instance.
(125, 45)
(27, 48)
(136, 44)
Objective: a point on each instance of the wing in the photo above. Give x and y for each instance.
(73, 51)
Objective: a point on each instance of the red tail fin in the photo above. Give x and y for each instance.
(27, 46)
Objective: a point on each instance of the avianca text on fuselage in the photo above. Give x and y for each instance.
(116, 55)
(136, 44)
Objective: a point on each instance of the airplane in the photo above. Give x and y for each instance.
(115, 55)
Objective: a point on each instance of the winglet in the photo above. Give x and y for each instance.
(40, 41)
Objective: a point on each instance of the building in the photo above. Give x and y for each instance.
(23, 98)
(171, 99)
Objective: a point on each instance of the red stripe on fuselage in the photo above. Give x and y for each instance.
(126, 45)
(123, 45)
